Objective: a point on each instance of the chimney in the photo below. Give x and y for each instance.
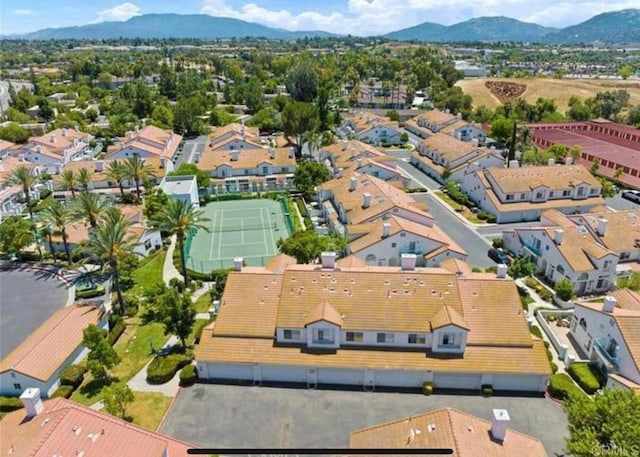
(408, 261)
(272, 153)
(344, 145)
(366, 200)
(608, 304)
(352, 152)
(129, 135)
(386, 229)
(501, 272)
(64, 132)
(137, 129)
(32, 402)
(359, 163)
(602, 226)
(163, 162)
(292, 152)
(514, 164)
(499, 424)
(234, 154)
(474, 167)
(328, 260)
(568, 161)
(475, 142)
(237, 263)
(353, 183)
(53, 138)
(558, 234)
(551, 161)
(99, 165)
(459, 115)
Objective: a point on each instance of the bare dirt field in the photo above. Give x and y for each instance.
(558, 89)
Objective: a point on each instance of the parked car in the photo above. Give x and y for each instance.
(499, 256)
(633, 195)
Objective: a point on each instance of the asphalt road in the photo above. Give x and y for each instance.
(191, 149)
(277, 417)
(27, 298)
(619, 203)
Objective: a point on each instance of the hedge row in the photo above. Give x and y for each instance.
(163, 368)
(198, 327)
(302, 207)
(188, 375)
(486, 216)
(73, 376)
(63, 391)
(116, 329)
(561, 387)
(586, 376)
(8, 404)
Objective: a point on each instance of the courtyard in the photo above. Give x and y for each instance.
(231, 416)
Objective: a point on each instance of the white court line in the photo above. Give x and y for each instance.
(245, 244)
(273, 246)
(242, 230)
(220, 237)
(264, 232)
(213, 235)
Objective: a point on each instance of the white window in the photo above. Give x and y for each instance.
(580, 191)
(415, 338)
(291, 334)
(355, 337)
(323, 336)
(385, 337)
(509, 197)
(450, 340)
(607, 265)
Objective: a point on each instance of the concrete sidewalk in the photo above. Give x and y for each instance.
(169, 270)
(169, 389)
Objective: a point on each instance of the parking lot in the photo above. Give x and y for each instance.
(227, 416)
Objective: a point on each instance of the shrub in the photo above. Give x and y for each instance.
(554, 368)
(497, 242)
(63, 391)
(131, 310)
(188, 375)
(177, 284)
(536, 331)
(476, 270)
(531, 282)
(491, 218)
(301, 206)
(586, 376)
(116, 330)
(44, 194)
(482, 215)
(487, 390)
(427, 388)
(163, 368)
(73, 375)
(198, 327)
(561, 387)
(564, 290)
(8, 404)
(545, 294)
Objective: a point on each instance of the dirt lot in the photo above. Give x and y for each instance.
(558, 89)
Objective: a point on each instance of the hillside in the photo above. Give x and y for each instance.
(620, 27)
(170, 26)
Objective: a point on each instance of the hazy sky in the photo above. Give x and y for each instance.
(357, 17)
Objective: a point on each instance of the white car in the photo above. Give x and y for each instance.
(633, 195)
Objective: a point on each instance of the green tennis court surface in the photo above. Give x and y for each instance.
(237, 228)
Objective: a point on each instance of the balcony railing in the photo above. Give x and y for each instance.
(531, 248)
(415, 251)
(601, 347)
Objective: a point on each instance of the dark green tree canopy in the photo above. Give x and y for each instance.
(302, 82)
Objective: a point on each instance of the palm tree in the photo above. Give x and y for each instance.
(117, 171)
(89, 207)
(313, 140)
(138, 171)
(26, 177)
(48, 233)
(69, 181)
(84, 177)
(58, 216)
(178, 218)
(109, 243)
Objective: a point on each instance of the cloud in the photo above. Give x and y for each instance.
(121, 12)
(22, 12)
(375, 17)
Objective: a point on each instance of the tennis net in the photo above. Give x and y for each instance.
(244, 227)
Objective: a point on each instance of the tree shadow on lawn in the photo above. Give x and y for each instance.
(93, 388)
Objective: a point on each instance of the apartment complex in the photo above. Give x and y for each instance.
(12, 198)
(372, 129)
(148, 142)
(435, 121)
(54, 149)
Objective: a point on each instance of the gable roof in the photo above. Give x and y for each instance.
(448, 428)
(66, 428)
(324, 311)
(448, 316)
(247, 158)
(436, 117)
(448, 147)
(47, 348)
(527, 178)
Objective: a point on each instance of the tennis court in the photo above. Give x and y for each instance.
(237, 228)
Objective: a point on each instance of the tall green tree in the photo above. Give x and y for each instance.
(109, 243)
(85, 176)
(178, 218)
(607, 423)
(307, 245)
(25, 177)
(191, 169)
(177, 313)
(16, 233)
(102, 357)
(69, 181)
(117, 398)
(308, 175)
(58, 216)
(138, 171)
(302, 82)
(298, 118)
(15, 133)
(118, 172)
(89, 207)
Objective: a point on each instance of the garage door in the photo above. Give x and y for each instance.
(398, 378)
(457, 381)
(231, 371)
(284, 373)
(338, 376)
(517, 382)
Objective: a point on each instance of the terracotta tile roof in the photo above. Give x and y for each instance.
(578, 248)
(448, 316)
(455, 126)
(345, 152)
(9, 163)
(351, 261)
(47, 348)
(364, 120)
(154, 140)
(436, 117)
(629, 384)
(527, 178)
(247, 158)
(457, 266)
(279, 263)
(467, 435)
(234, 131)
(627, 299)
(415, 126)
(6, 145)
(324, 311)
(622, 232)
(505, 360)
(56, 141)
(65, 428)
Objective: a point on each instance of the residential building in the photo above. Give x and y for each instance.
(55, 149)
(60, 427)
(566, 252)
(615, 146)
(147, 142)
(147, 240)
(436, 121)
(448, 428)
(39, 360)
(373, 129)
(372, 326)
(5, 148)
(609, 334)
(183, 188)
(236, 136)
(522, 193)
(379, 95)
(12, 198)
(446, 158)
(470, 70)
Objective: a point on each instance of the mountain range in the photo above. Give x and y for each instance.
(617, 27)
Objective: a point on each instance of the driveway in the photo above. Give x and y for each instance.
(226, 416)
(27, 299)
(191, 149)
(618, 203)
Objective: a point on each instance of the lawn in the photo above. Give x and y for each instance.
(148, 409)
(149, 272)
(203, 303)
(458, 208)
